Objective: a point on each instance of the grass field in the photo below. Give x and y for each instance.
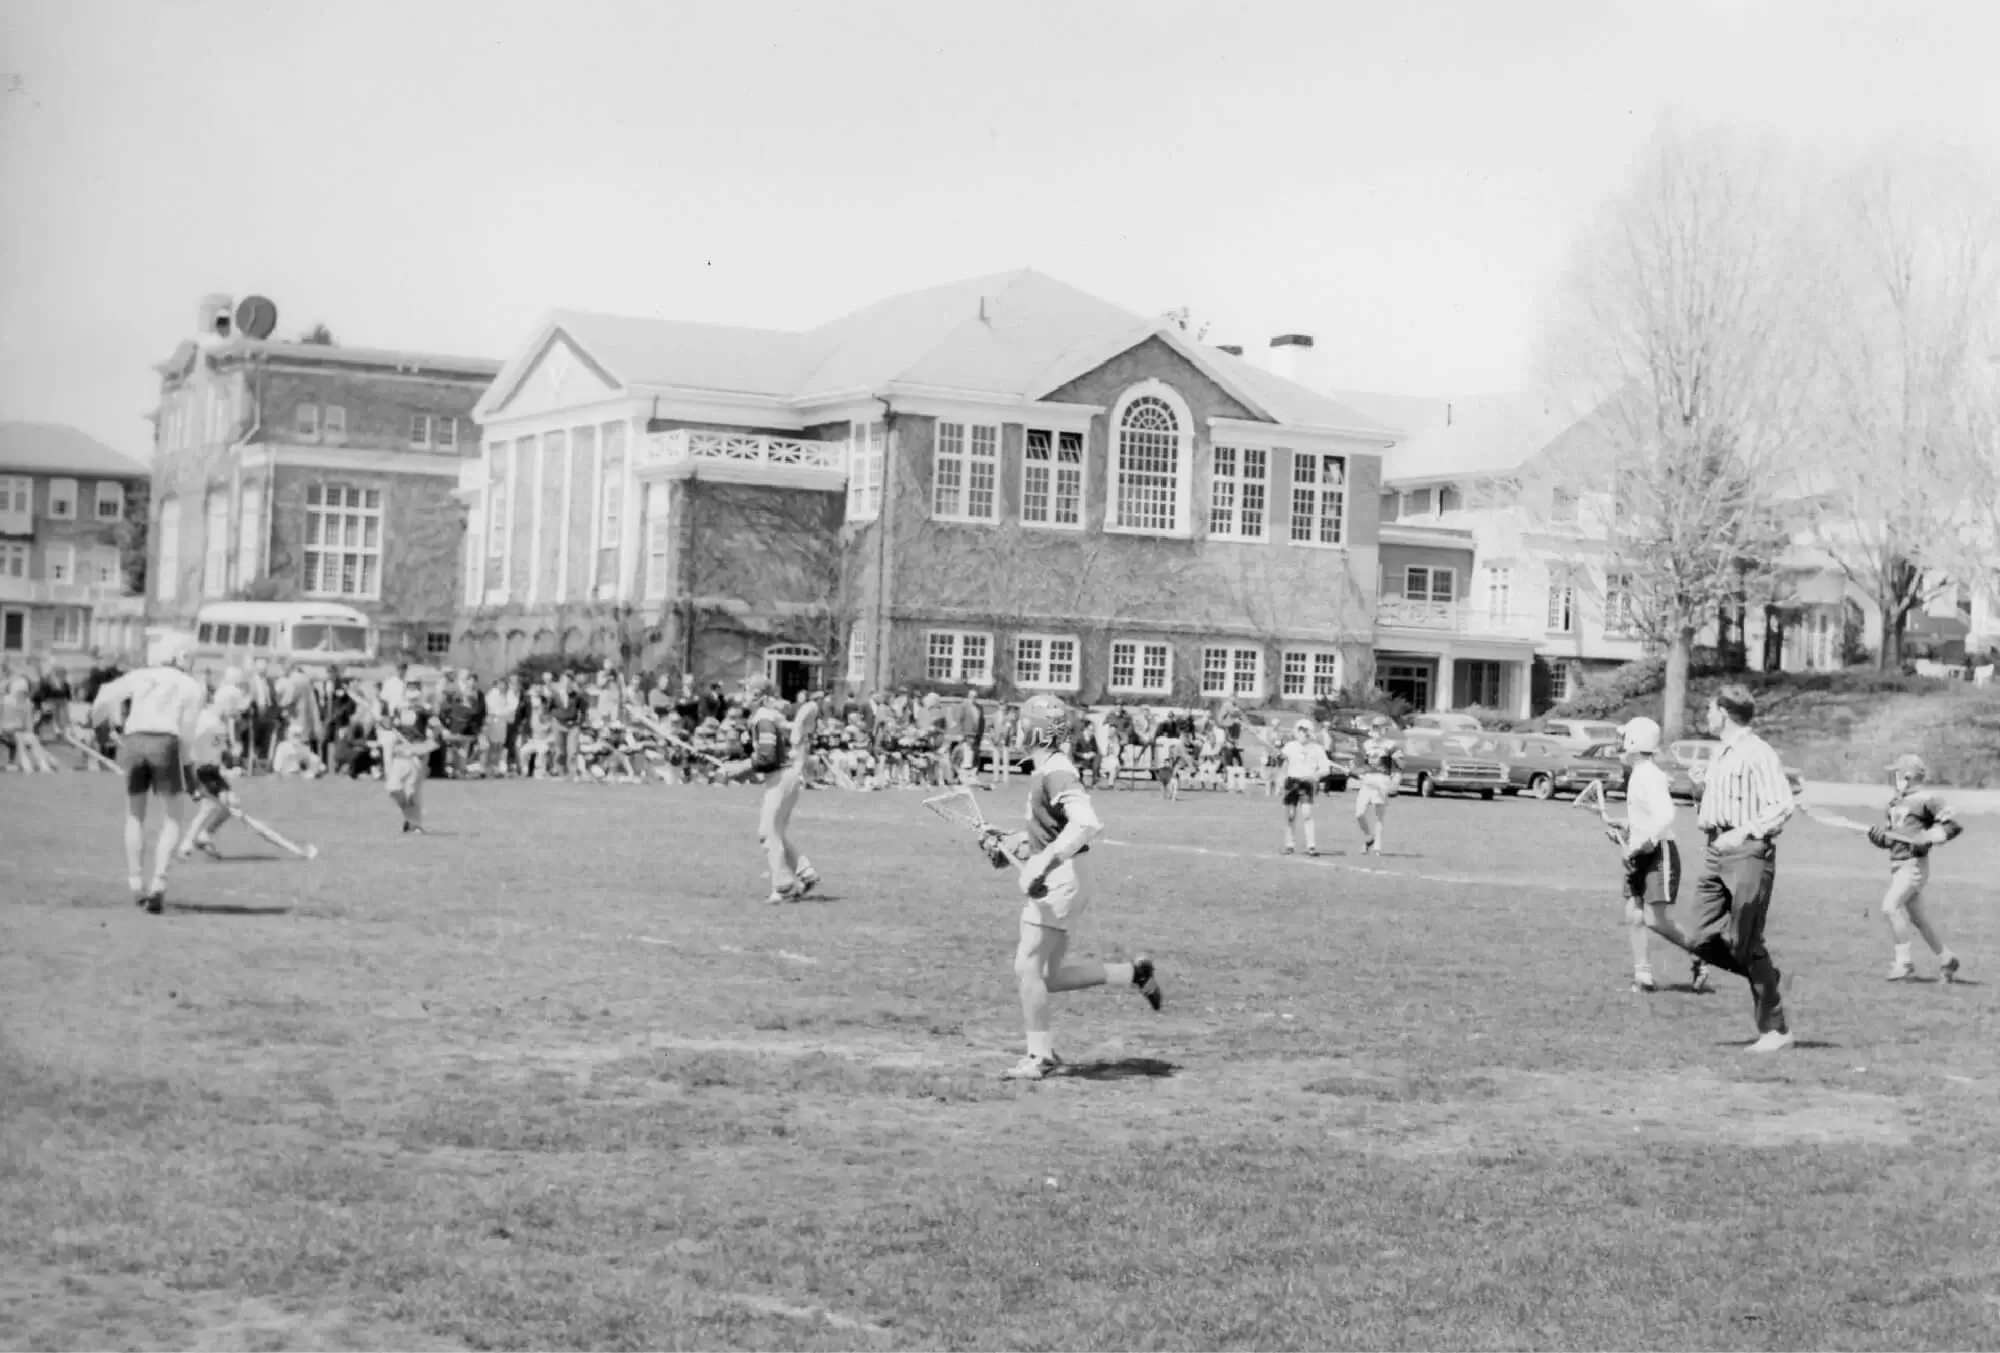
(555, 1076)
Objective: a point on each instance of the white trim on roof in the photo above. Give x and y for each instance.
(976, 407)
(1245, 432)
(1083, 363)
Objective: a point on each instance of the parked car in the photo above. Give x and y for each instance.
(1578, 734)
(1435, 763)
(1696, 753)
(1544, 767)
(1681, 781)
(1445, 723)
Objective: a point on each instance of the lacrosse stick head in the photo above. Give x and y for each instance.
(959, 808)
(1591, 797)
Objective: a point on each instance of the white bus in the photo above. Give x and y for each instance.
(310, 633)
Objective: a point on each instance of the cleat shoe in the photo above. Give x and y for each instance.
(1777, 1040)
(1642, 980)
(1032, 1068)
(1902, 972)
(1313, 851)
(808, 880)
(1698, 980)
(1148, 981)
(1948, 970)
(1287, 851)
(154, 902)
(782, 895)
(207, 847)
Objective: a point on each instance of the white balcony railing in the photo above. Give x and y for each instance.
(47, 593)
(685, 446)
(1452, 617)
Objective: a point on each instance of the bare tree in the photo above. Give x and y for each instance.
(1678, 330)
(1911, 268)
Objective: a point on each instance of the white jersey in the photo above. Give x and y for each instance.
(1305, 760)
(164, 700)
(1649, 804)
(211, 735)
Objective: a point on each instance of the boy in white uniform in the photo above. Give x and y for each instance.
(1915, 820)
(1378, 786)
(777, 761)
(1652, 860)
(1305, 766)
(166, 702)
(1061, 824)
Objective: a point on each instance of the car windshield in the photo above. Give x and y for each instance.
(1493, 747)
(324, 638)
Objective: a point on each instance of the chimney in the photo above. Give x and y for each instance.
(1233, 349)
(1447, 413)
(1291, 357)
(212, 321)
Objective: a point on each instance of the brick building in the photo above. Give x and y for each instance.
(63, 502)
(1001, 484)
(292, 470)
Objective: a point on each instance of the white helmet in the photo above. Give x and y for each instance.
(174, 650)
(1303, 728)
(1641, 735)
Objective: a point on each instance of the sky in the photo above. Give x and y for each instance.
(1402, 181)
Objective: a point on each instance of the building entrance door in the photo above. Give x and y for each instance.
(1408, 681)
(792, 668)
(13, 631)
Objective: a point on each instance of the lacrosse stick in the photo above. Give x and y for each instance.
(1615, 831)
(960, 809)
(1828, 818)
(269, 833)
(99, 759)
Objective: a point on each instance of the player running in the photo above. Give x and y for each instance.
(1652, 859)
(1061, 824)
(1917, 820)
(166, 703)
(407, 740)
(210, 784)
(778, 755)
(1378, 786)
(1305, 766)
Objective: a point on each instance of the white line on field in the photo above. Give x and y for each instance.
(772, 1306)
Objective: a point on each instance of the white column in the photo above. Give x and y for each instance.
(1524, 696)
(596, 511)
(568, 486)
(535, 518)
(627, 586)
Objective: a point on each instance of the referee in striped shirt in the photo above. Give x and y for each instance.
(1745, 803)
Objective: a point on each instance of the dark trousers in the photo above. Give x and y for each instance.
(1731, 898)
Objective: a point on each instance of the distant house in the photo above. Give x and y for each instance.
(1001, 485)
(63, 497)
(307, 470)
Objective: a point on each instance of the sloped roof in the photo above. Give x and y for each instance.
(58, 449)
(240, 348)
(1466, 436)
(1014, 335)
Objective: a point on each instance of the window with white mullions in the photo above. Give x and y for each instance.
(1052, 479)
(1148, 469)
(1562, 605)
(1319, 498)
(1045, 661)
(1239, 484)
(1306, 673)
(1423, 583)
(1232, 671)
(966, 469)
(343, 550)
(1141, 668)
(959, 656)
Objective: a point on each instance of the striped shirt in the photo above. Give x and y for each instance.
(1745, 788)
(164, 700)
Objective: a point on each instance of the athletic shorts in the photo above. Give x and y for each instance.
(404, 775)
(207, 782)
(152, 764)
(1653, 877)
(1299, 791)
(1062, 906)
(1906, 882)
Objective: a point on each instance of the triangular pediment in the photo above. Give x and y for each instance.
(560, 377)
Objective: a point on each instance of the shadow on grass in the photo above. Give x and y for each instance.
(1809, 1044)
(1120, 1068)
(226, 909)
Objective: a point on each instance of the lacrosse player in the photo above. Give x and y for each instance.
(1305, 766)
(1061, 824)
(778, 755)
(165, 705)
(1652, 859)
(1378, 786)
(407, 740)
(1917, 820)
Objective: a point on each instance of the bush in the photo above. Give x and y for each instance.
(1362, 697)
(1493, 720)
(1607, 696)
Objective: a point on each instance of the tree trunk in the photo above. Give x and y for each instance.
(1680, 654)
(1895, 619)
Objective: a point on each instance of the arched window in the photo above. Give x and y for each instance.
(1151, 436)
(167, 581)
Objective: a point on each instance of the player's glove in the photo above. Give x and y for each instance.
(1618, 833)
(1878, 836)
(1920, 846)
